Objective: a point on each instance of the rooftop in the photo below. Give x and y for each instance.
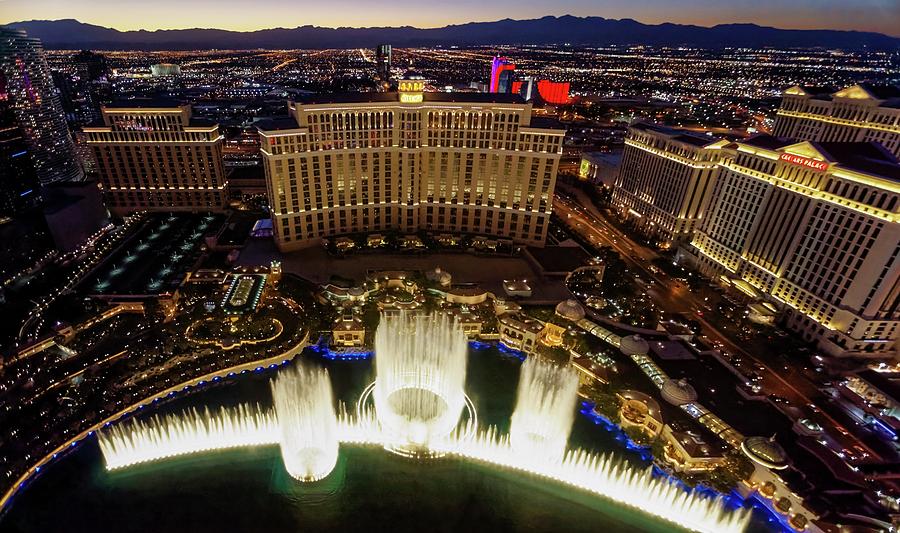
(869, 157)
(766, 452)
(882, 92)
(611, 158)
(155, 102)
(276, 124)
(678, 392)
(768, 142)
(696, 445)
(685, 136)
(372, 97)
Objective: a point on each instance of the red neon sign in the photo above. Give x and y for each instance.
(819, 166)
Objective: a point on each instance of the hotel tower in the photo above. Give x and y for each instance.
(154, 156)
(407, 161)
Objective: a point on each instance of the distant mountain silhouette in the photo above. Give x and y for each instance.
(73, 34)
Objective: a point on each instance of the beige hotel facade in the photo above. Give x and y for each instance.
(812, 226)
(152, 156)
(665, 180)
(857, 113)
(410, 160)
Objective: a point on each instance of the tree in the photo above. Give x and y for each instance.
(637, 435)
(605, 402)
(556, 354)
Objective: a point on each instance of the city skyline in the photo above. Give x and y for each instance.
(880, 16)
(654, 269)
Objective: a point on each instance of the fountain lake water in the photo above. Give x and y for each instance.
(418, 393)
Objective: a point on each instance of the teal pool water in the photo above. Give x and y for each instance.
(248, 490)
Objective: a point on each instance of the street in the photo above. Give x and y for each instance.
(673, 296)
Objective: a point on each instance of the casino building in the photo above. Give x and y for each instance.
(410, 160)
(665, 180)
(855, 114)
(812, 226)
(154, 156)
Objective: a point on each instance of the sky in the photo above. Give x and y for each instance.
(243, 15)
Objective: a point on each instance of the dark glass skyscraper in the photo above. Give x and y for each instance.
(82, 87)
(383, 62)
(18, 183)
(37, 107)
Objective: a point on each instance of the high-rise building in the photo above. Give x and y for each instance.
(665, 180)
(855, 114)
(76, 99)
(89, 65)
(445, 162)
(18, 181)
(82, 86)
(547, 91)
(153, 156)
(812, 227)
(383, 62)
(37, 106)
(502, 75)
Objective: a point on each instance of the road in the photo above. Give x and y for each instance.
(673, 296)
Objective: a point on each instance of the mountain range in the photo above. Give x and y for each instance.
(72, 34)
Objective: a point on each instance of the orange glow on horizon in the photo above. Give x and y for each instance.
(265, 14)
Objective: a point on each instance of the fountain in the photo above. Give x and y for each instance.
(191, 432)
(418, 397)
(306, 421)
(420, 364)
(545, 409)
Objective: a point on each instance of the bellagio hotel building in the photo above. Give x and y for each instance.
(153, 156)
(411, 160)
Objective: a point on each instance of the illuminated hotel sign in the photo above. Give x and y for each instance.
(585, 169)
(411, 91)
(813, 164)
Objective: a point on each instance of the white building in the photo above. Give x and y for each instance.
(813, 227)
(855, 114)
(665, 180)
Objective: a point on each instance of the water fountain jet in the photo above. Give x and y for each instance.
(304, 407)
(545, 409)
(420, 364)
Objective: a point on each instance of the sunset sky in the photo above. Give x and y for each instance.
(869, 15)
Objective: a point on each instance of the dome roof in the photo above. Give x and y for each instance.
(439, 276)
(356, 291)
(678, 392)
(633, 345)
(570, 310)
(766, 452)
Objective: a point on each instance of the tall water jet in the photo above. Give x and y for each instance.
(304, 407)
(420, 364)
(545, 409)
